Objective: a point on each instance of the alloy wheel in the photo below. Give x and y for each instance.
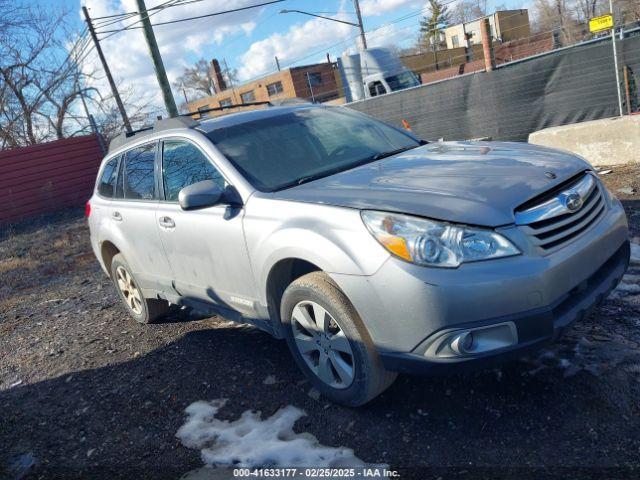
(129, 290)
(322, 344)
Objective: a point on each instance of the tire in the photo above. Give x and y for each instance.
(143, 310)
(324, 355)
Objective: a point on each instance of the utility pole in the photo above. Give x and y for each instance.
(184, 92)
(114, 89)
(313, 98)
(362, 37)
(158, 66)
(92, 123)
(615, 59)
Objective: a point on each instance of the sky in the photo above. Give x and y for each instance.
(248, 40)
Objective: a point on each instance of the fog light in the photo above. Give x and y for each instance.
(472, 342)
(468, 342)
(462, 343)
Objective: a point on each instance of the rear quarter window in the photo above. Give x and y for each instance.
(109, 179)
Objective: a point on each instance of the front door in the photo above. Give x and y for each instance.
(205, 248)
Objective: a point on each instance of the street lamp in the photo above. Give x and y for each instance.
(359, 24)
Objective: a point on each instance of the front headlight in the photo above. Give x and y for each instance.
(436, 244)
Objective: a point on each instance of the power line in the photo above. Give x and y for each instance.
(82, 37)
(167, 4)
(161, 6)
(130, 27)
(157, 9)
(106, 23)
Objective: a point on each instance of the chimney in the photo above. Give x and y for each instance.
(218, 79)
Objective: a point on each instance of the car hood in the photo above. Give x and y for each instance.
(477, 183)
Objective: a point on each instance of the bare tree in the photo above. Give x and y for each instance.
(196, 81)
(466, 10)
(586, 9)
(41, 83)
(109, 122)
(559, 16)
(570, 17)
(629, 11)
(38, 82)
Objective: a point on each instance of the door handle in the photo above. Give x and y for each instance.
(167, 222)
(116, 216)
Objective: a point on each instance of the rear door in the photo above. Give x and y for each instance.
(132, 215)
(205, 248)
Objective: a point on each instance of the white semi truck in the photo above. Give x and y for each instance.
(373, 72)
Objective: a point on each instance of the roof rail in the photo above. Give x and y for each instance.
(160, 125)
(225, 107)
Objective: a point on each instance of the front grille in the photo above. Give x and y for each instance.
(551, 225)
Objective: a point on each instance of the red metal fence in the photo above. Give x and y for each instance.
(47, 177)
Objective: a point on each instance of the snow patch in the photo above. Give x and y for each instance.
(628, 287)
(250, 442)
(603, 353)
(270, 380)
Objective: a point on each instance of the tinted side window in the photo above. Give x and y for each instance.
(376, 88)
(109, 178)
(183, 164)
(139, 183)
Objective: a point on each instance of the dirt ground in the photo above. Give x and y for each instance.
(87, 393)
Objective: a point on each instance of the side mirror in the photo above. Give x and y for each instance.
(200, 195)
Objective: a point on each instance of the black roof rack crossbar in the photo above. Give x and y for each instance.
(225, 107)
(133, 132)
(158, 126)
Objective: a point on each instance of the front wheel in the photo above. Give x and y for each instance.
(143, 310)
(329, 342)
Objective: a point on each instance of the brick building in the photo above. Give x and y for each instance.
(319, 83)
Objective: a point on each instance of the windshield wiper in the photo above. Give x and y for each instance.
(390, 153)
(373, 158)
(302, 180)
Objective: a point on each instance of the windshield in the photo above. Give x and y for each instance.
(301, 145)
(402, 81)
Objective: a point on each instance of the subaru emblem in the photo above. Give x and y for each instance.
(550, 175)
(573, 201)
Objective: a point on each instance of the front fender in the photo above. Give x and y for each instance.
(332, 238)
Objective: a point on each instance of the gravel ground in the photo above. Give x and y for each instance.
(87, 393)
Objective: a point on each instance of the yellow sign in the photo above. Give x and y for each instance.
(603, 22)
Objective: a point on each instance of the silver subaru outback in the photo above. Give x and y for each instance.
(370, 251)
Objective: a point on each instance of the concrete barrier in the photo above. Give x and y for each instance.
(612, 141)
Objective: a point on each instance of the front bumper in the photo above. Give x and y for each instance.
(404, 306)
(535, 327)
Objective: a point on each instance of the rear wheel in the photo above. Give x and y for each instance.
(329, 342)
(143, 310)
